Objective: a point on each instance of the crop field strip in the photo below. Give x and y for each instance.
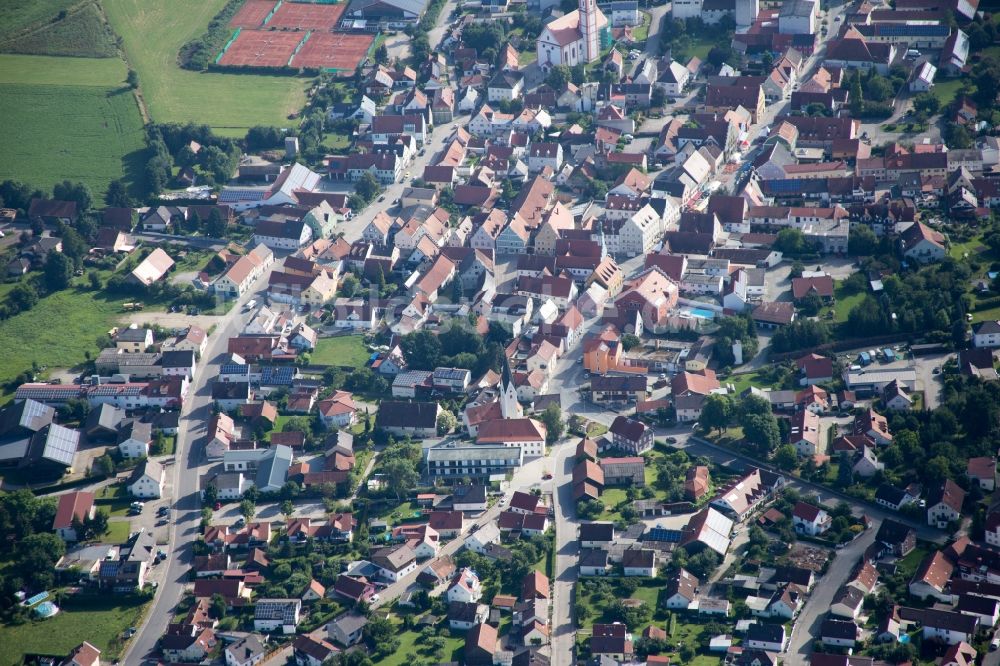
(68, 119)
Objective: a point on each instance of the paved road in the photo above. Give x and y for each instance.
(806, 628)
(186, 510)
(566, 570)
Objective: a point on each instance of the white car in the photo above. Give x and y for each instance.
(374, 598)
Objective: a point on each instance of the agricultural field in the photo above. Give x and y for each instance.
(69, 118)
(18, 15)
(153, 32)
(100, 620)
(84, 32)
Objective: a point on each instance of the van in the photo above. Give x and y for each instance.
(912, 53)
(251, 304)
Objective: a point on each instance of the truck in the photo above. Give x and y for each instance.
(864, 358)
(890, 355)
(130, 307)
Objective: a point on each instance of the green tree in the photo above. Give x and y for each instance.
(58, 271)
(248, 509)
(845, 475)
(23, 296)
(349, 285)
(927, 104)
(552, 418)
(716, 412)
(792, 242)
(861, 241)
(104, 465)
(446, 422)
(216, 226)
(214, 160)
(421, 349)
(77, 192)
(287, 508)
(210, 494)
(367, 187)
(218, 606)
(558, 77)
(117, 194)
(786, 458)
(630, 341)
(761, 431)
(401, 476)
(957, 136)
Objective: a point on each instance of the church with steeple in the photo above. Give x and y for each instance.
(574, 38)
(510, 408)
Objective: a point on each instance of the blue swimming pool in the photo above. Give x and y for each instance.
(46, 609)
(904, 638)
(703, 313)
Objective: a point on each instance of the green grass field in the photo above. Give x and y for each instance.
(83, 33)
(100, 620)
(410, 646)
(61, 328)
(844, 302)
(68, 118)
(345, 350)
(118, 531)
(153, 32)
(945, 90)
(18, 15)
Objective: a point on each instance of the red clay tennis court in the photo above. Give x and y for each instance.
(261, 48)
(306, 16)
(252, 14)
(333, 51)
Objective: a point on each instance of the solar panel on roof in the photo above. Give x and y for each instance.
(235, 195)
(61, 444)
(663, 534)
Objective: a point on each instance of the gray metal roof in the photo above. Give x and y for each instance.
(474, 453)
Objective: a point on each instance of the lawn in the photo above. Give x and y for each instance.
(844, 301)
(641, 31)
(153, 32)
(992, 314)
(745, 380)
(907, 566)
(18, 15)
(410, 646)
(972, 247)
(612, 497)
(57, 332)
(69, 119)
(945, 90)
(99, 620)
(336, 142)
(118, 531)
(114, 499)
(346, 350)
